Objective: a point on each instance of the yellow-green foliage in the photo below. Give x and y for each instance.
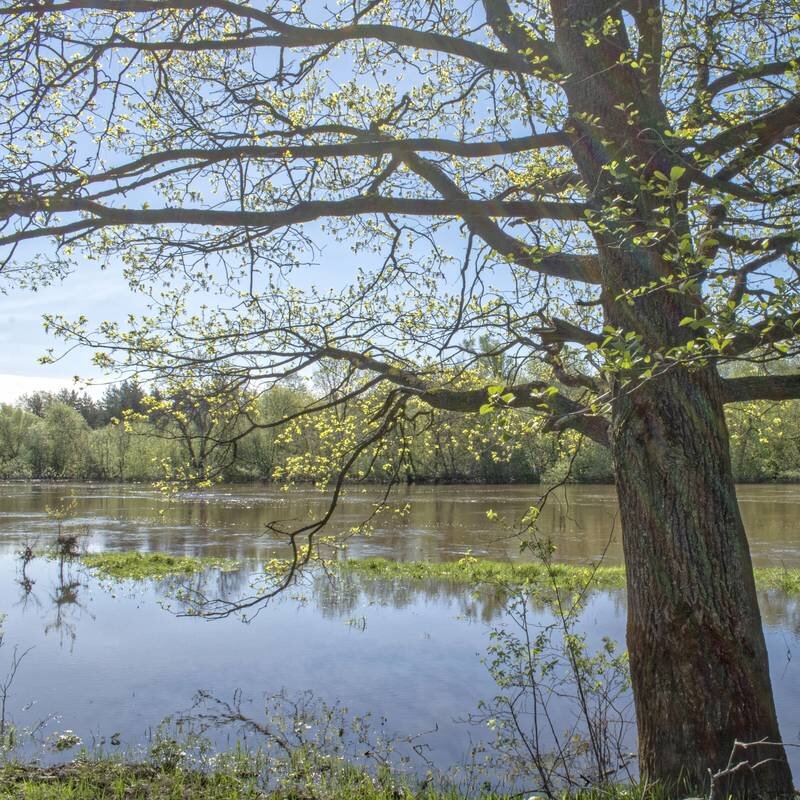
(144, 566)
(765, 440)
(507, 445)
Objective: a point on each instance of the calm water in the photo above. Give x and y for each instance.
(112, 660)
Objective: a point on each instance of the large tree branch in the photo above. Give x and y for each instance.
(761, 387)
(765, 130)
(766, 332)
(738, 244)
(476, 213)
(301, 212)
(562, 411)
(359, 147)
(748, 73)
(479, 220)
(560, 331)
(286, 35)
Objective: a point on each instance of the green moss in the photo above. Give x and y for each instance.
(144, 566)
(566, 576)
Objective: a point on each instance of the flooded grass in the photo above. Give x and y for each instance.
(133, 565)
(471, 570)
(564, 576)
(138, 566)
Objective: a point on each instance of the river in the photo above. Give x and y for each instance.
(110, 662)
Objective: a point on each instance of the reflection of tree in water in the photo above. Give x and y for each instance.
(66, 605)
(26, 555)
(340, 595)
(337, 595)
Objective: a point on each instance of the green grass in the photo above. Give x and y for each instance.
(566, 576)
(113, 780)
(473, 571)
(787, 580)
(107, 779)
(145, 566)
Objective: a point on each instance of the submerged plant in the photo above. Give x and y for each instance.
(64, 740)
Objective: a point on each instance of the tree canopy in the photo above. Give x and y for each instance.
(223, 145)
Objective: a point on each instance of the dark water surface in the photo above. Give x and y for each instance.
(111, 660)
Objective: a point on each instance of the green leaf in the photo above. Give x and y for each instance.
(676, 173)
(486, 408)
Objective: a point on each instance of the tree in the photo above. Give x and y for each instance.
(15, 425)
(605, 189)
(119, 398)
(203, 419)
(59, 442)
(40, 401)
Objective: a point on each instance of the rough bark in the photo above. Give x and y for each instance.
(698, 660)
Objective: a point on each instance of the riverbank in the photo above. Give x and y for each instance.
(242, 778)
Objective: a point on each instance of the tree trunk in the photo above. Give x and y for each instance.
(698, 659)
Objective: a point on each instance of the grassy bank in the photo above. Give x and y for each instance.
(145, 566)
(113, 780)
(566, 576)
(241, 779)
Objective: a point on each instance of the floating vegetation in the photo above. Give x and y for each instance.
(136, 566)
(472, 570)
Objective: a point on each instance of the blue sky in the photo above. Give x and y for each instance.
(104, 295)
(98, 294)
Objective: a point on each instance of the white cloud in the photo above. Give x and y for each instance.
(13, 386)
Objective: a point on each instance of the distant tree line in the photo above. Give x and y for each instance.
(130, 434)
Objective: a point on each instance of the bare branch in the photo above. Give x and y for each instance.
(478, 219)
